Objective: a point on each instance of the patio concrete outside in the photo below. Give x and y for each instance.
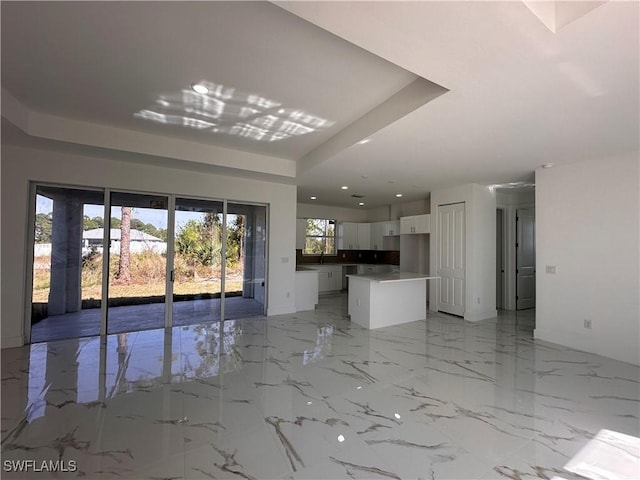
(141, 317)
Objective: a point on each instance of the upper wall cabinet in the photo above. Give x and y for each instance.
(379, 230)
(354, 236)
(364, 236)
(391, 229)
(415, 224)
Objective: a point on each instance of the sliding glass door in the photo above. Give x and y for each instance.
(245, 265)
(104, 262)
(197, 262)
(137, 262)
(67, 263)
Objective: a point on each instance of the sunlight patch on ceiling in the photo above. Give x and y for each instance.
(229, 111)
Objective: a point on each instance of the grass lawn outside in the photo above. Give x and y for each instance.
(147, 279)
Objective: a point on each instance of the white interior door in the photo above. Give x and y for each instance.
(525, 259)
(451, 258)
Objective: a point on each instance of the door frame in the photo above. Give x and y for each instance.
(463, 252)
(509, 246)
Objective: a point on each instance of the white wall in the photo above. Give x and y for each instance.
(407, 209)
(480, 248)
(20, 165)
(378, 214)
(307, 210)
(587, 226)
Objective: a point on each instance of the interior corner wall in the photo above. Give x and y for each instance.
(21, 165)
(588, 227)
(480, 248)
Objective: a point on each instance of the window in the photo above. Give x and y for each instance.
(320, 237)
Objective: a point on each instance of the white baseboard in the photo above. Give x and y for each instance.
(283, 309)
(475, 316)
(12, 342)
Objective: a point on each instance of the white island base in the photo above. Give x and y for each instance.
(385, 299)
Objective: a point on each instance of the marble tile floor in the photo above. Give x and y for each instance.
(312, 396)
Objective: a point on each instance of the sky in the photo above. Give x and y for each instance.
(156, 217)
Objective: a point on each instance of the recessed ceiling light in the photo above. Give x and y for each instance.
(341, 438)
(344, 187)
(363, 141)
(547, 165)
(398, 195)
(361, 204)
(313, 197)
(199, 88)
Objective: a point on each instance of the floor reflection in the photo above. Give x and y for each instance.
(129, 362)
(311, 395)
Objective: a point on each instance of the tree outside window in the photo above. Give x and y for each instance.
(320, 237)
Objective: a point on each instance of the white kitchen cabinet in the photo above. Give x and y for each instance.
(391, 229)
(354, 236)
(377, 235)
(306, 290)
(364, 236)
(415, 224)
(423, 223)
(406, 225)
(329, 279)
(379, 230)
(348, 236)
(301, 233)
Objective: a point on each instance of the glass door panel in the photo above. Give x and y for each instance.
(197, 264)
(137, 262)
(67, 263)
(245, 263)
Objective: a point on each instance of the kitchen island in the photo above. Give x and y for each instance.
(384, 299)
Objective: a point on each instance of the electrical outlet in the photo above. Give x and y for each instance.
(551, 269)
(478, 300)
(587, 323)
